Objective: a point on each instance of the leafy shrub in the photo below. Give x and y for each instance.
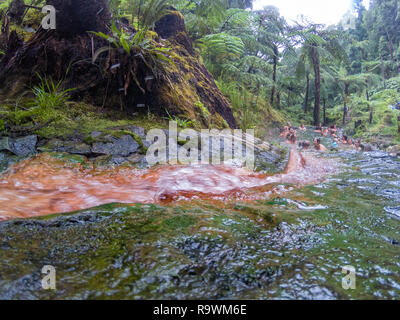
(182, 123)
(48, 94)
(204, 111)
(140, 45)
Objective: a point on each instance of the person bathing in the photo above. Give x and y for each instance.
(304, 145)
(318, 146)
(318, 129)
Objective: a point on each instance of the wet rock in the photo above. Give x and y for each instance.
(72, 147)
(367, 147)
(4, 144)
(118, 160)
(146, 144)
(123, 146)
(137, 130)
(109, 160)
(6, 159)
(80, 148)
(394, 211)
(394, 150)
(96, 134)
(272, 161)
(138, 161)
(20, 146)
(102, 161)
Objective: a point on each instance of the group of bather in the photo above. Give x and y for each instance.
(290, 134)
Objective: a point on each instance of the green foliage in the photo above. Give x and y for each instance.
(250, 109)
(48, 94)
(182, 123)
(148, 12)
(142, 13)
(393, 84)
(41, 110)
(221, 46)
(138, 46)
(204, 17)
(4, 5)
(204, 111)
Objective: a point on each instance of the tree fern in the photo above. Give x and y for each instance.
(222, 46)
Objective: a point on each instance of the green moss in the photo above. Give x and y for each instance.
(89, 140)
(76, 118)
(258, 211)
(71, 158)
(185, 94)
(203, 110)
(32, 19)
(179, 222)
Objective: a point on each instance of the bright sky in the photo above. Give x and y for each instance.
(318, 11)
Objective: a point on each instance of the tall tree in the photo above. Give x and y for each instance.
(272, 34)
(319, 44)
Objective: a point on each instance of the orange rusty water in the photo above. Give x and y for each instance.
(44, 185)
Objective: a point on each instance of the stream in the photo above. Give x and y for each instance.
(204, 232)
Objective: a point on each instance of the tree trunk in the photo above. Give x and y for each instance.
(307, 94)
(288, 99)
(383, 72)
(278, 99)
(398, 120)
(257, 95)
(371, 115)
(346, 96)
(391, 50)
(274, 74)
(317, 82)
(324, 102)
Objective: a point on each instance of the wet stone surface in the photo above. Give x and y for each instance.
(123, 146)
(21, 147)
(140, 252)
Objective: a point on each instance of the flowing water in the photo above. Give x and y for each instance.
(45, 185)
(220, 232)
